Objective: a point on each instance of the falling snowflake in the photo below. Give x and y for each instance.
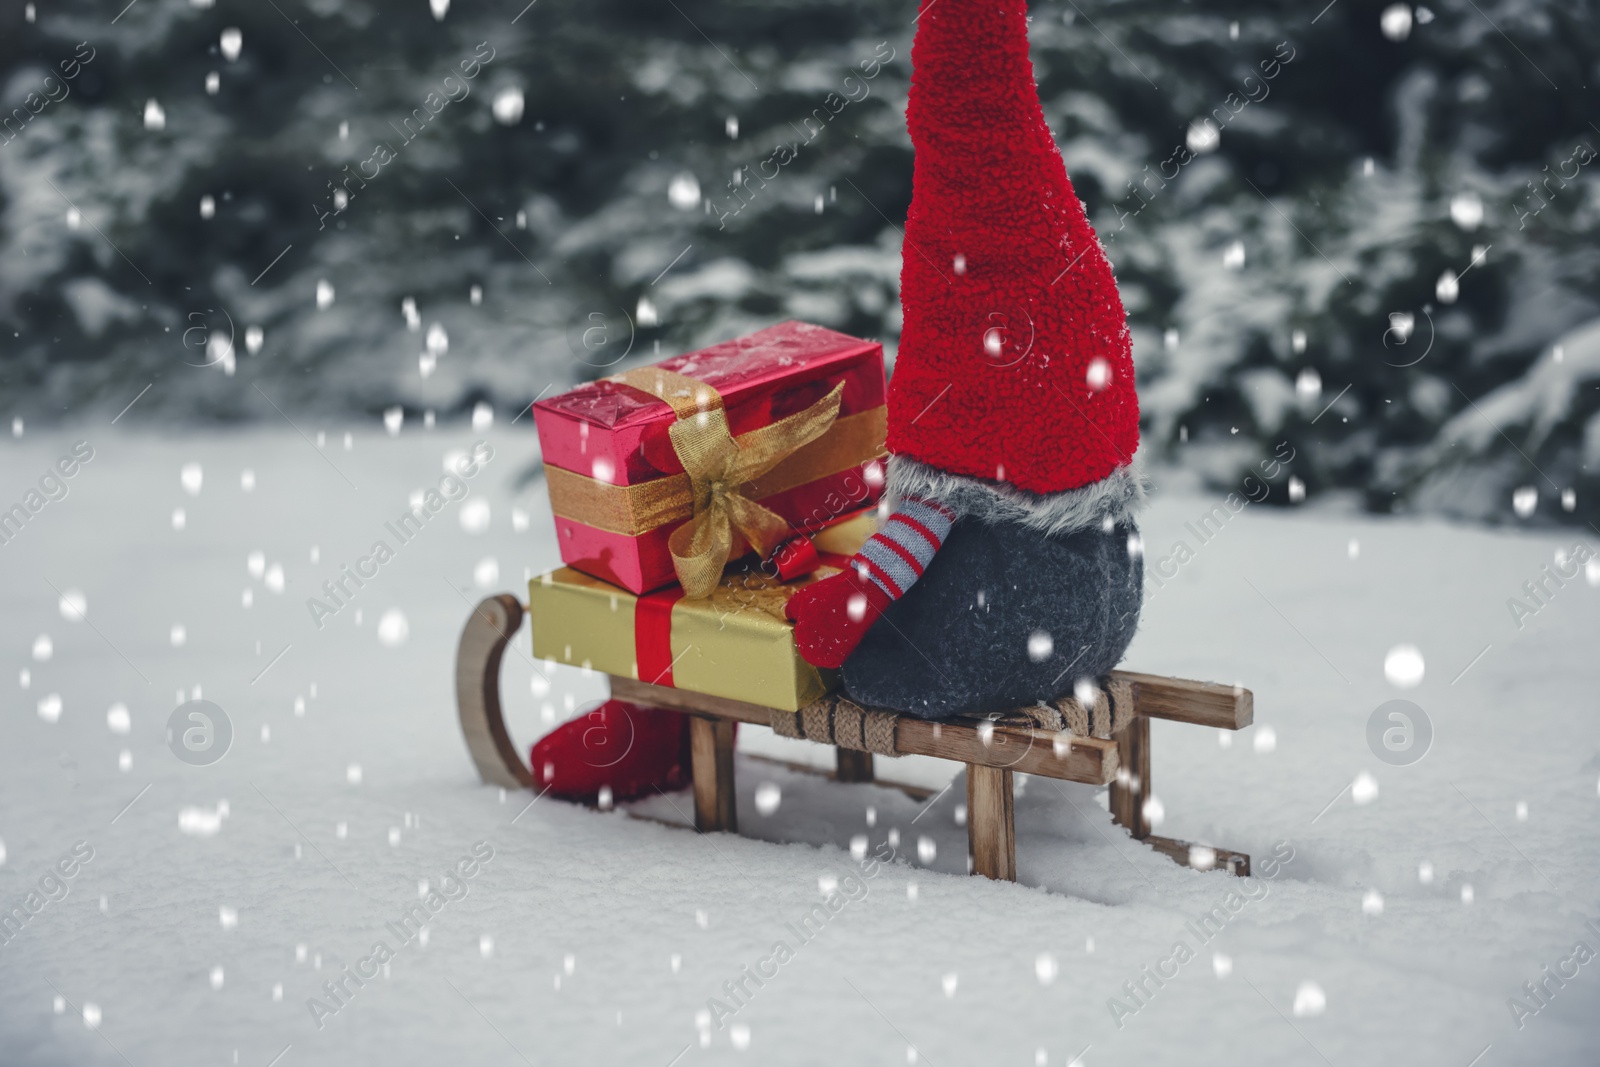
(684, 192)
(1203, 136)
(200, 822)
(73, 605)
(1309, 999)
(437, 340)
(474, 516)
(1404, 667)
(1466, 210)
(1099, 375)
(1364, 790)
(508, 105)
(1396, 24)
(1045, 968)
(393, 629)
(1308, 385)
(1155, 812)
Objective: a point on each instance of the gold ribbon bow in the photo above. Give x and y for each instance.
(719, 469)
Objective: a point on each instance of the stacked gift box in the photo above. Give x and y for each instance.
(694, 496)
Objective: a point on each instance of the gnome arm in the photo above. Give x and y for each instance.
(833, 615)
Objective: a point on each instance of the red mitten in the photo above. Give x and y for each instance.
(833, 615)
(633, 750)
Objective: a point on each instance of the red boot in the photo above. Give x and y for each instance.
(632, 749)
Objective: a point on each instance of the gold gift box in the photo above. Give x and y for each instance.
(735, 643)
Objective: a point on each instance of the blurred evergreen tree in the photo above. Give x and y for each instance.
(571, 205)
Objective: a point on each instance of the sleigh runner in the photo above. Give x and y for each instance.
(1107, 744)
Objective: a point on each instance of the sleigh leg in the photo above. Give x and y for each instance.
(991, 830)
(853, 766)
(711, 758)
(1131, 791)
(1132, 788)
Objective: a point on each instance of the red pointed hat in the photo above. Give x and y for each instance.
(1015, 363)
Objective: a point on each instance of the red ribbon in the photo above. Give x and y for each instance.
(652, 627)
(652, 634)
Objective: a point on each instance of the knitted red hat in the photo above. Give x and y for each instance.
(1014, 363)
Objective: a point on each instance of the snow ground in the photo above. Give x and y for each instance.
(588, 911)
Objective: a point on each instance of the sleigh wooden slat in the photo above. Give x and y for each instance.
(1225, 707)
(1091, 760)
(993, 748)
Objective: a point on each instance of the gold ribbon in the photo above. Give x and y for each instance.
(720, 469)
(636, 509)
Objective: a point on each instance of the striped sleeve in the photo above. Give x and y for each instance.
(896, 556)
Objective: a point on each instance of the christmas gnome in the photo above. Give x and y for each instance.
(1009, 565)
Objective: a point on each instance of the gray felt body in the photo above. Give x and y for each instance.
(944, 649)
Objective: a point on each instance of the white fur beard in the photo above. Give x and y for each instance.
(1118, 496)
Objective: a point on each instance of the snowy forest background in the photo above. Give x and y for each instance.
(1381, 249)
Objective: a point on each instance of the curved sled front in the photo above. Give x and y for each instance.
(493, 624)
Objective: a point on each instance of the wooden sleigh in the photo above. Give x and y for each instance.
(992, 747)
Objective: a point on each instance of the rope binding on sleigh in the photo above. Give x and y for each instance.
(837, 720)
